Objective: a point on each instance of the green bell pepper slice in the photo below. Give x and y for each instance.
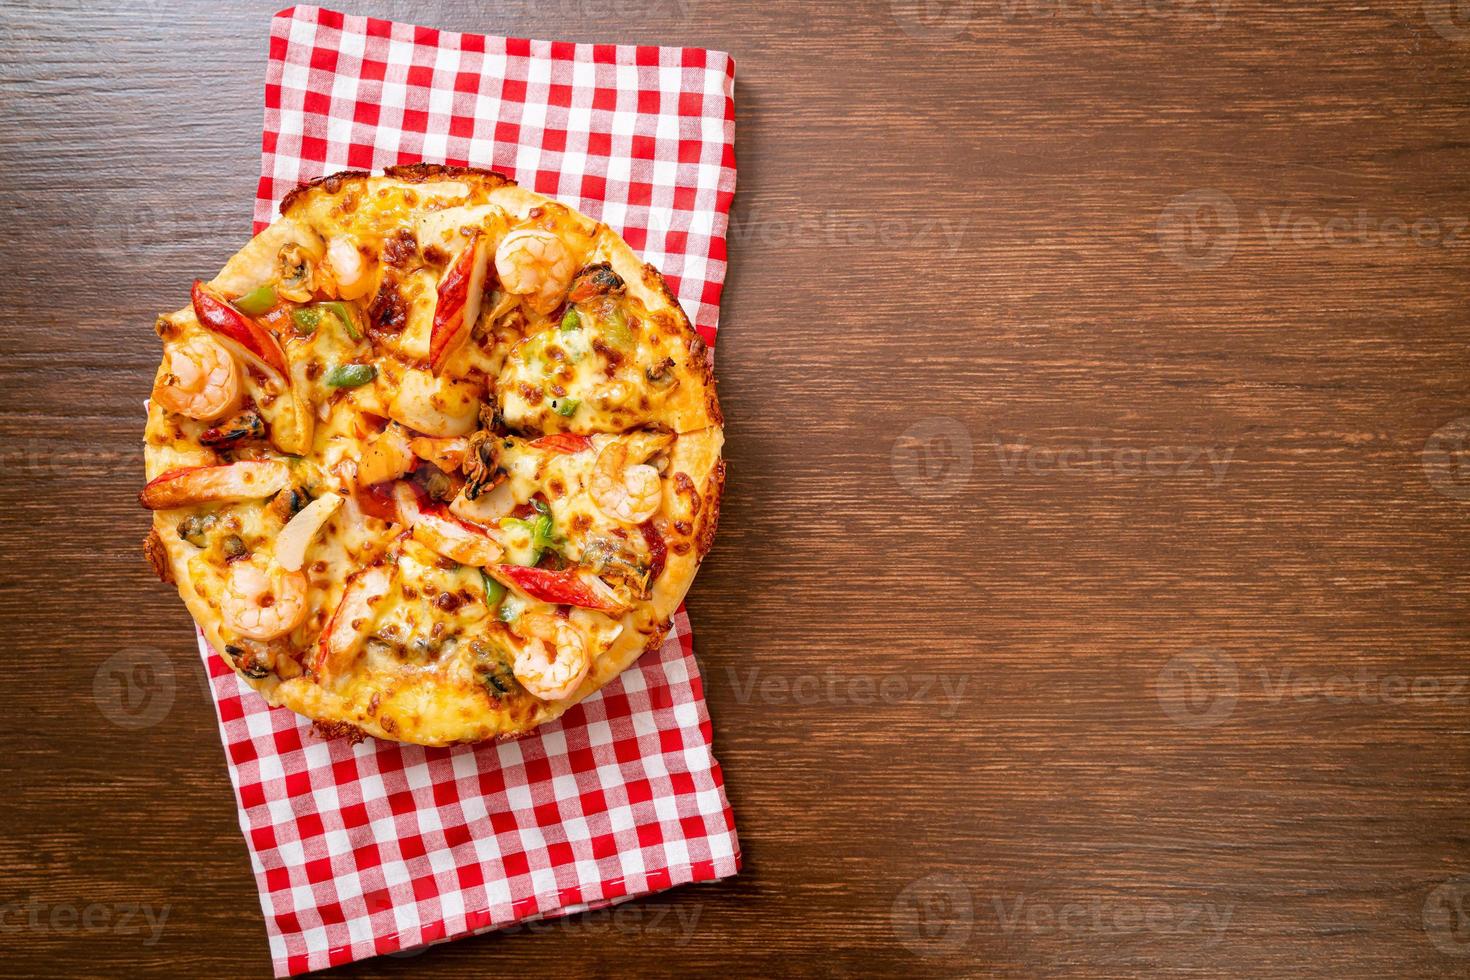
(615, 328)
(351, 375)
(494, 591)
(343, 312)
(307, 319)
(543, 537)
(257, 301)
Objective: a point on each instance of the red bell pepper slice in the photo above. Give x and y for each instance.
(223, 319)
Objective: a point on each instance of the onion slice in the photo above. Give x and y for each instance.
(296, 536)
(488, 508)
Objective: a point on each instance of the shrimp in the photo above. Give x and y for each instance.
(262, 600)
(200, 379)
(347, 268)
(628, 493)
(533, 262)
(554, 677)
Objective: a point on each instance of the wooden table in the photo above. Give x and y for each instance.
(1090, 595)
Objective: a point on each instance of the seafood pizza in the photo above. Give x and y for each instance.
(433, 457)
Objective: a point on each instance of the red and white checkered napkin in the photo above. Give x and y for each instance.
(368, 849)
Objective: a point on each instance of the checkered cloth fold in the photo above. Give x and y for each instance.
(377, 847)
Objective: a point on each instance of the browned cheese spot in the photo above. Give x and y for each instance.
(612, 357)
(684, 487)
(388, 313)
(400, 248)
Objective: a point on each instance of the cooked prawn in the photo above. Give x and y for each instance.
(200, 379)
(535, 263)
(623, 486)
(554, 675)
(262, 600)
(347, 268)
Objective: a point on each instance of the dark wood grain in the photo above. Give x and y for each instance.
(986, 327)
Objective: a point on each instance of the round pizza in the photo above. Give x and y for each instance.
(433, 458)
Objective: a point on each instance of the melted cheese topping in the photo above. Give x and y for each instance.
(607, 366)
(564, 480)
